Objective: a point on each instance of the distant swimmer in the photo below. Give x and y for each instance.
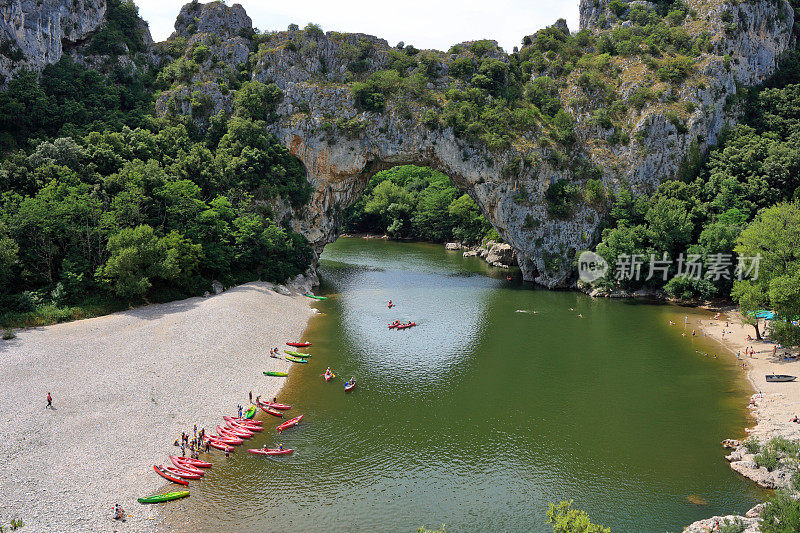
(571, 309)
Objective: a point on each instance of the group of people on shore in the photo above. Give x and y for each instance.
(196, 445)
(274, 353)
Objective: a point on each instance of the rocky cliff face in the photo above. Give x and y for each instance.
(358, 144)
(342, 146)
(33, 32)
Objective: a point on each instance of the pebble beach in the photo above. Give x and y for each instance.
(124, 386)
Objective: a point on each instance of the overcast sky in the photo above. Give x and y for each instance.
(424, 23)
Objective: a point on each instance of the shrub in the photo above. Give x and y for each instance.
(566, 519)
(752, 445)
(675, 69)
(733, 526)
(690, 288)
(561, 197)
(784, 445)
(781, 514)
(768, 458)
(8, 334)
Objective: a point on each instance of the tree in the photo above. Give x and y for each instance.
(774, 236)
(565, 519)
(257, 101)
(8, 258)
(138, 258)
(781, 514)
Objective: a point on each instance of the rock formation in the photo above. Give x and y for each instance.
(342, 145)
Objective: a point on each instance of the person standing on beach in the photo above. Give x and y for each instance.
(240, 411)
(251, 396)
(49, 401)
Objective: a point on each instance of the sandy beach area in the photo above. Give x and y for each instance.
(124, 386)
(777, 403)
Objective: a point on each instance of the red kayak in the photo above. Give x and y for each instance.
(231, 432)
(185, 474)
(219, 445)
(281, 406)
(185, 466)
(194, 462)
(299, 344)
(349, 386)
(228, 438)
(166, 475)
(235, 424)
(404, 326)
(271, 411)
(266, 451)
(290, 423)
(392, 326)
(244, 423)
(328, 376)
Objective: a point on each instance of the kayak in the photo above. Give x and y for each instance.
(219, 445)
(299, 344)
(251, 412)
(235, 432)
(255, 425)
(404, 326)
(228, 438)
(233, 424)
(271, 412)
(349, 386)
(225, 439)
(294, 359)
(185, 466)
(266, 451)
(289, 423)
(392, 326)
(166, 475)
(169, 496)
(195, 462)
(276, 374)
(315, 297)
(297, 354)
(274, 405)
(185, 474)
(329, 376)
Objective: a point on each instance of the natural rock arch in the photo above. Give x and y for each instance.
(342, 145)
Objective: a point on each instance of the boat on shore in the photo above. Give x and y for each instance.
(313, 297)
(275, 374)
(169, 477)
(297, 354)
(169, 496)
(780, 378)
(294, 359)
(299, 344)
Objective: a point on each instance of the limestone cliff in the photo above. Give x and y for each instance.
(33, 32)
(342, 144)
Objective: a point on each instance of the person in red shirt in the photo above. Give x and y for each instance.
(49, 401)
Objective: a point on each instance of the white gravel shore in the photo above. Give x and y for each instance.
(124, 386)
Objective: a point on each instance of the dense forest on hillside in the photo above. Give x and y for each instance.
(410, 202)
(104, 204)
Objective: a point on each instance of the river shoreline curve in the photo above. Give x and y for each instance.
(772, 406)
(124, 386)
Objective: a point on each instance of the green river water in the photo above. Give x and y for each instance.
(485, 412)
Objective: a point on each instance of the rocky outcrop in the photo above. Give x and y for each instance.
(342, 146)
(33, 33)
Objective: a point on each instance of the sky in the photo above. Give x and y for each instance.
(426, 24)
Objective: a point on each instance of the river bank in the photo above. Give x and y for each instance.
(124, 386)
(773, 405)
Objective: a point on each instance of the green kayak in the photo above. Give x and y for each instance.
(294, 359)
(297, 354)
(315, 297)
(251, 412)
(158, 498)
(276, 374)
